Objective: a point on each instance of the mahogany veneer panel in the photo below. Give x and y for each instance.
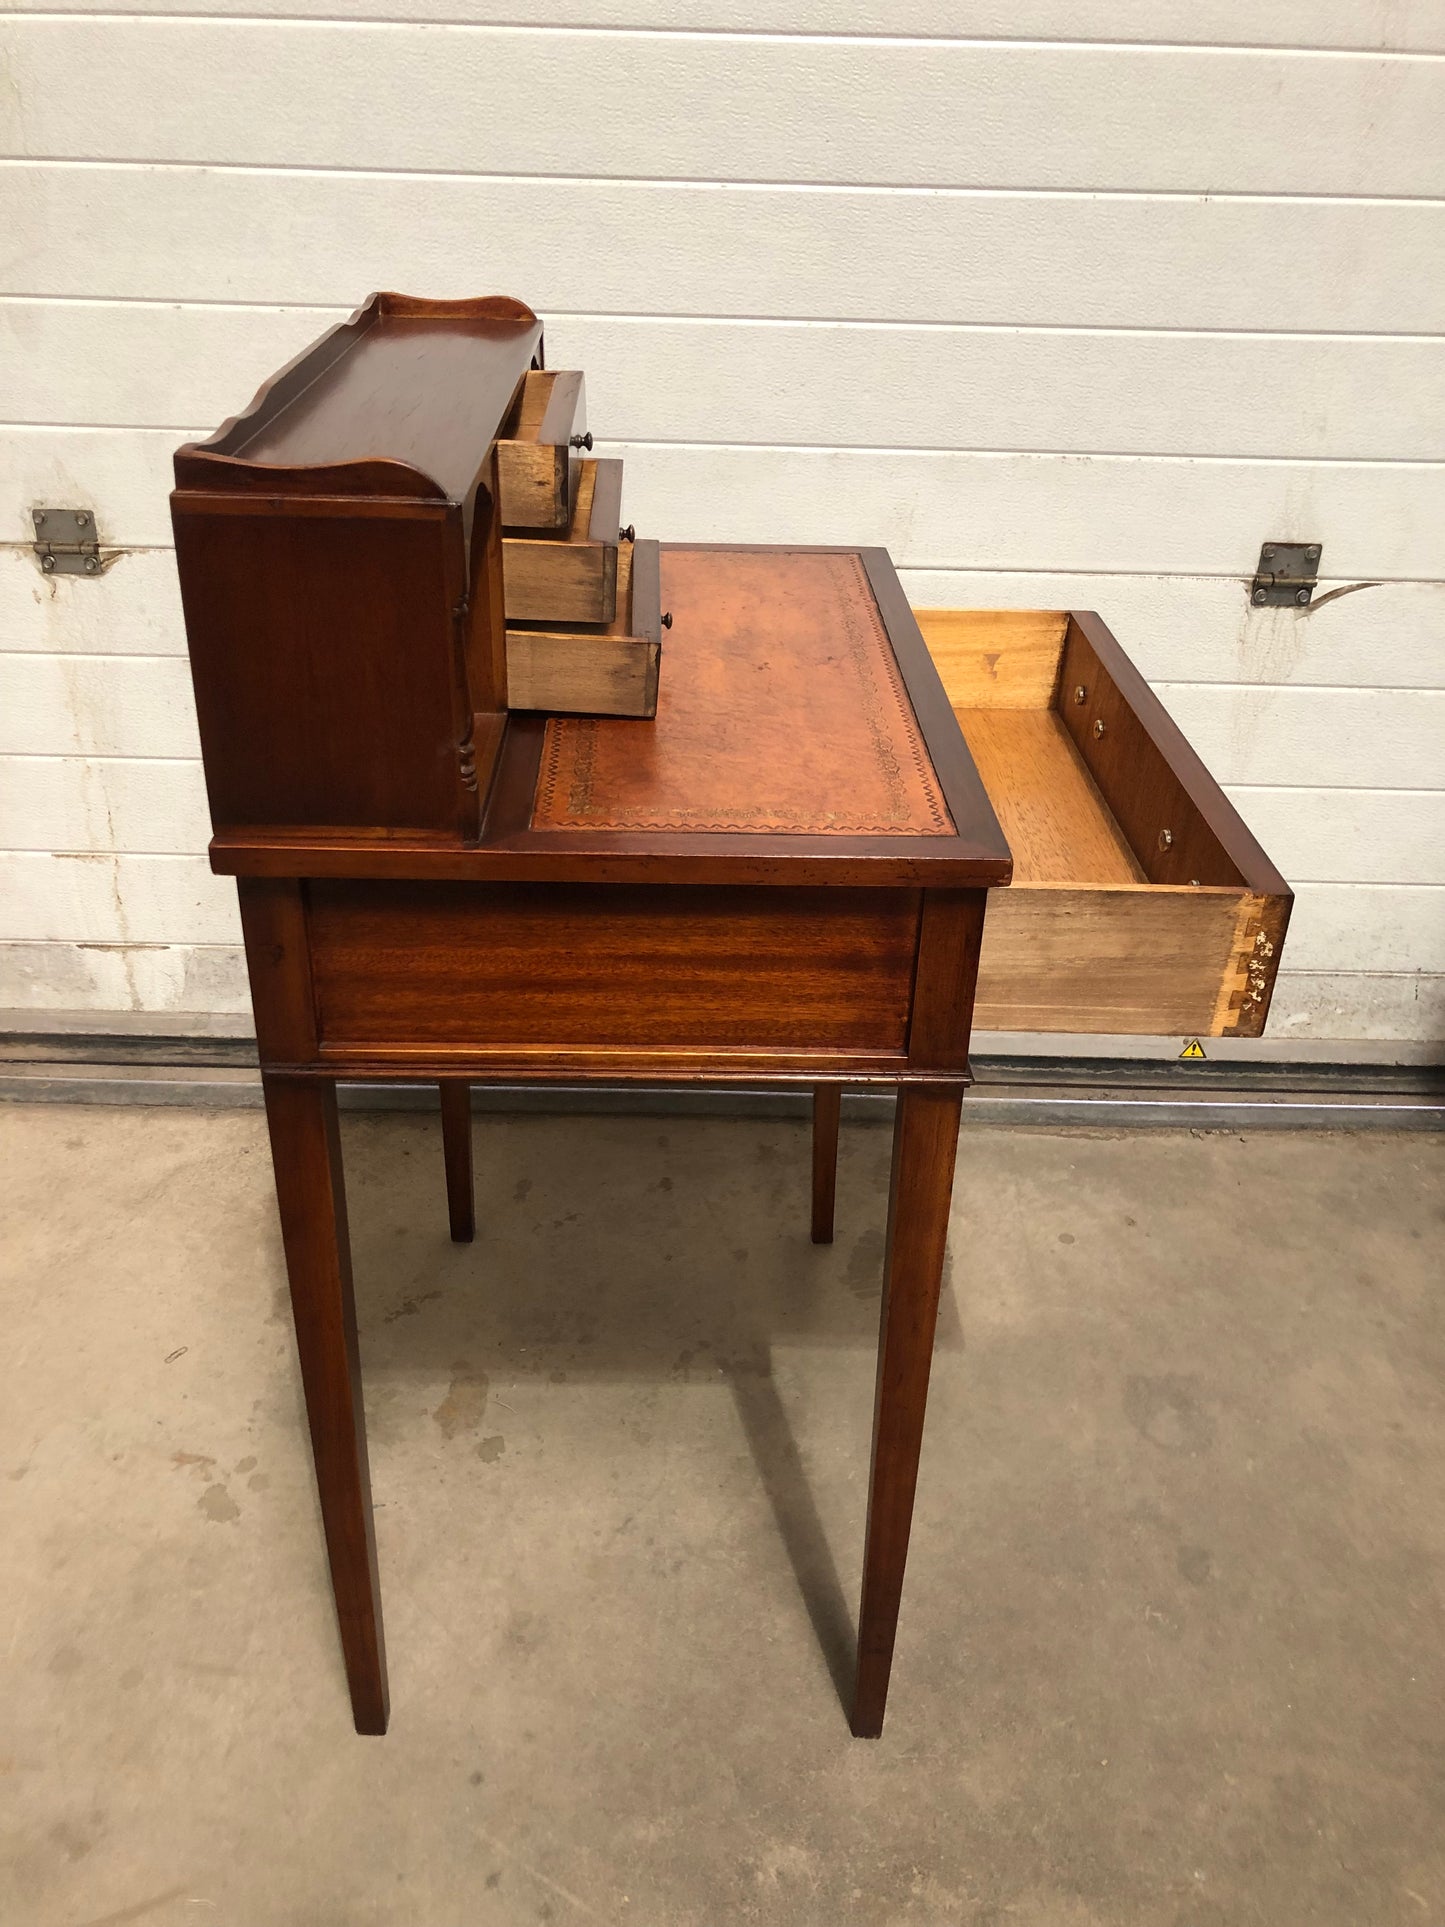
(428, 390)
(665, 967)
(324, 663)
(340, 569)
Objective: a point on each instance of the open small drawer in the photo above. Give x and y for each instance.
(1140, 902)
(606, 669)
(572, 576)
(536, 469)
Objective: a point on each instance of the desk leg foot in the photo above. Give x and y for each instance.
(827, 1109)
(306, 1152)
(457, 1150)
(925, 1142)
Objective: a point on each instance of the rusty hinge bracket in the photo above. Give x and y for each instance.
(65, 541)
(1288, 573)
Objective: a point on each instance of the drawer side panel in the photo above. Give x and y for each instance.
(1135, 962)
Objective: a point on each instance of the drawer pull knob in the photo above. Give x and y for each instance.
(629, 534)
(583, 441)
(1099, 727)
(1166, 839)
(666, 619)
(1080, 693)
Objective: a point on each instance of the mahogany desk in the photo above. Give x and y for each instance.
(781, 880)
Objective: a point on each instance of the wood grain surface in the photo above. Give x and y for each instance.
(827, 1113)
(556, 966)
(331, 642)
(405, 384)
(311, 1194)
(1142, 960)
(925, 1142)
(1057, 824)
(996, 658)
(569, 577)
(534, 463)
(596, 672)
(456, 1106)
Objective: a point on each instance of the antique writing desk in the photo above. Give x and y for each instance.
(781, 879)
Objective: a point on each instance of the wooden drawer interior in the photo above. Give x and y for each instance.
(536, 469)
(1140, 902)
(570, 577)
(605, 670)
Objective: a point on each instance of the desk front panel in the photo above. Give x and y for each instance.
(567, 971)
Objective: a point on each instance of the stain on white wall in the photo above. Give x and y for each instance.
(1069, 307)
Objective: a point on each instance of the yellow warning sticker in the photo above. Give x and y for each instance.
(1193, 1048)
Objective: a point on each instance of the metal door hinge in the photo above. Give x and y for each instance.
(1288, 572)
(65, 541)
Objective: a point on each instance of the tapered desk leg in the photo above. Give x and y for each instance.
(457, 1151)
(925, 1141)
(306, 1151)
(827, 1109)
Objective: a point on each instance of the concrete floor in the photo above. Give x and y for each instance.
(1173, 1643)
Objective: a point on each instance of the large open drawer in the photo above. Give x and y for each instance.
(1140, 902)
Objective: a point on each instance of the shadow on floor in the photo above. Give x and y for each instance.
(586, 1266)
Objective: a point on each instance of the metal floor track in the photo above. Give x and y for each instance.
(1050, 1092)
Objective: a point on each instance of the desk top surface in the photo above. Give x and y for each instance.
(781, 708)
(802, 736)
(799, 717)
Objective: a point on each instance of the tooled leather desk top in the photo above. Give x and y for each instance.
(781, 709)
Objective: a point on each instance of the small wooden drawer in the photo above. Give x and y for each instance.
(571, 577)
(536, 469)
(1140, 902)
(605, 670)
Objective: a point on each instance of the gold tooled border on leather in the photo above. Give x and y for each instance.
(569, 750)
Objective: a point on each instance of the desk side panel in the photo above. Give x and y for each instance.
(568, 969)
(325, 655)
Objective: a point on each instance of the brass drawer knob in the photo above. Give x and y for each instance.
(667, 619)
(583, 441)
